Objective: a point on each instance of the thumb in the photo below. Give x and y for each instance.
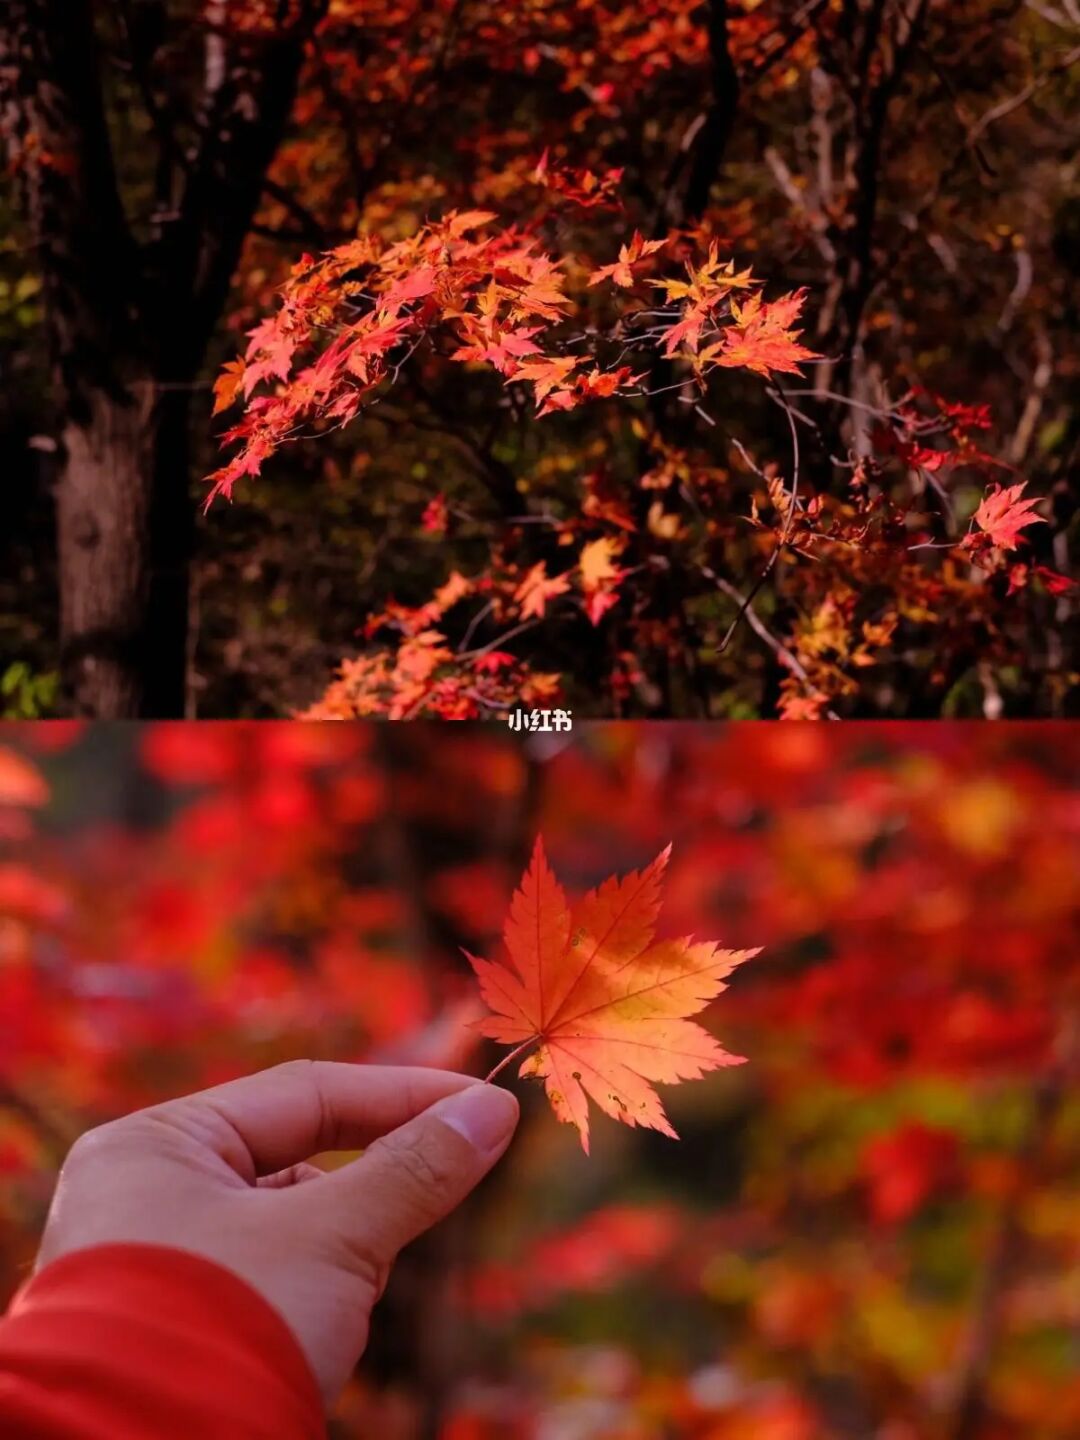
(417, 1174)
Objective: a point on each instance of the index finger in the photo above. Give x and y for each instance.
(293, 1111)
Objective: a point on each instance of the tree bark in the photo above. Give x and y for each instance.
(124, 530)
(102, 506)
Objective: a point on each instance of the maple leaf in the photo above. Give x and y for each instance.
(606, 1005)
(762, 338)
(537, 589)
(502, 349)
(596, 564)
(1002, 514)
(415, 286)
(227, 384)
(547, 374)
(600, 576)
(458, 222)
(621, 273)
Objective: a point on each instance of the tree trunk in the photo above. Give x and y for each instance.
(128, 319)
(124, 527)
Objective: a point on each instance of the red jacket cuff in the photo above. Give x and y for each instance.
(129, 1342)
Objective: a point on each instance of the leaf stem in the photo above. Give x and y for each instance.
(525, 1045)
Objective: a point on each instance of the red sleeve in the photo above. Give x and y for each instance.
(142, 1342)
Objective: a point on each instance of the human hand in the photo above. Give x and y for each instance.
(222, 1173)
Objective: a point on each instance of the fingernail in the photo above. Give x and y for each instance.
(484, 1114)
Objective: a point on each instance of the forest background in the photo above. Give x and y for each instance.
(869, 1229)
(392, 231)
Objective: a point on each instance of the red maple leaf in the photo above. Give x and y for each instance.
(1002, 514)
(761, 338)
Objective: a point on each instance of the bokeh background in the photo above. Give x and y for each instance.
(870, 1230)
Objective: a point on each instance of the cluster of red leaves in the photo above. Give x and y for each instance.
(868, 581)
(475, 293)
(854, 568)
(421, 674)
(579, 187)
(423, 677)
(352, 318)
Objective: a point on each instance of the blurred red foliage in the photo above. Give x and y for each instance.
(870, 1230)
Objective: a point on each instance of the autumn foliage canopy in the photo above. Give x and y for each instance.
(690, 422)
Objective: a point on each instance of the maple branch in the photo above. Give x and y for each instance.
(785, 533)
(507, 1059)
(761, 630)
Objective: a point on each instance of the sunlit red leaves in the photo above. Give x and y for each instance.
(425, 677)
(580, 187)
(1002, 515)
(762, 337)
(547, 376)
(349, 321)
(559, 384)
(602, 1009)
(622, 272)
(708, 286)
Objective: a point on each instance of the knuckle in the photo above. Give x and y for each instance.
(93, 1144)
(305, 1069)
(312, 1073)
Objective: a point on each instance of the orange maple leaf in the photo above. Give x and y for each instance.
(604, 1004)
(548, 373)
(622, 272)
(600, 576)
(1002, 514)
(538, 588)
(762, 338)
(227, 384)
